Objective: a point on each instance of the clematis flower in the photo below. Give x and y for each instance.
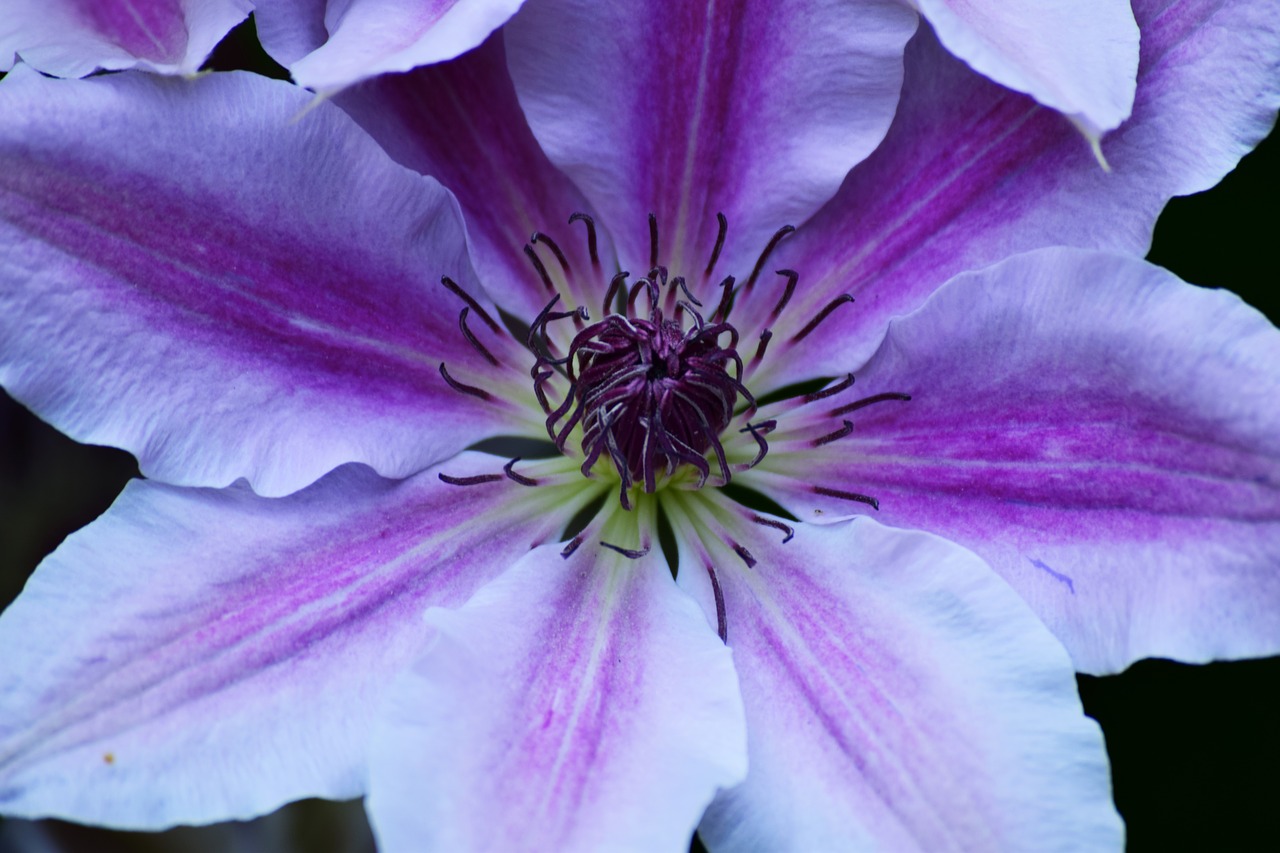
(468, 341)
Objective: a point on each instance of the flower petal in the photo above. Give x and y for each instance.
(192, 275)
(328, 45)
(198, 655)
(899, 696)
(576, 704)
(683, 110)
(1105, 436)
(1079, 58)
(72, 38)
(460, 123)
(971, 173)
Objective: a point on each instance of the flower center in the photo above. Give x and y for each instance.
(651, 395)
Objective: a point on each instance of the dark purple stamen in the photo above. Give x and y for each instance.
(615, 284)
(539, 237)
(540, 267)
(471, 303)
(831, 391)
(653, 241)
(722, 229)
(834, 436)
(768, 250)
(591, 236)
(627, 552)
(726, 300)
(568, 549)
(470, 481)
(848, 496)
(678, 281)
(471, 339)
(777, 525)
(792, 277)
(822, 315)
(867, 401)
(464, 389)
(722, 622)
(744, 554)
(519, 478)
(765, 337)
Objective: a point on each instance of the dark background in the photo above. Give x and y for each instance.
(1195, 750)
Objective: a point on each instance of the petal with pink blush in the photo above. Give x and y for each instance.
(1104, 435)
(330, 45)
(899, 696)
(688, 109)
(1079, 57)
(578, 704)
(971, 173)
(199, 655)
(460, 123)
(72, 38)
(255, 296)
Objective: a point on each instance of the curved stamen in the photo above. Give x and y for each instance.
(572, 546)
(591, 236)
(470, 481)
(627, 552)
(829, 391)
(540, 267)
(765, 337)
(848, 496)
(792, 277)
(768, 250)
(842, 299)
(471, 303)
(834, 436)
(519, 478)
(471, 339)
(868, 401)
(777, 525)
(539, 237)
(721, 230)
(614, 284)
(744, 554)
(464, 389)
(722, 626)
(726, 300)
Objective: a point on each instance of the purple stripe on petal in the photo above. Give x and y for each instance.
(1101, 433)
(199, 655)
(971, 173)
(543, 713)
(460, 123)
(898, 697)
(688, 109)
(257, 298)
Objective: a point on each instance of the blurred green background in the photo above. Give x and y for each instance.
(1195, 750)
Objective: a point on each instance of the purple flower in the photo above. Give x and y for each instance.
(359, 396)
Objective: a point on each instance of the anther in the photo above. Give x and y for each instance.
(764, 427)
(765, 337)
(830, 391)
(792, 277)
(463, 389)
(726, 300)
(834, 436)
(470, 481)
(744, 554)
(761, 444)
(519, 478)
(653, 241)
(722, 230)
(616, 282)
(678, 281)
(848, 496)
(776, 525)
(568, 549)
(722, 624)
(867, 401)
(540, 267)
(471, 339)
(822, 315)
(768, 250)
(471, 303)
(627, 552)
(539, 237)
(591, 236)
